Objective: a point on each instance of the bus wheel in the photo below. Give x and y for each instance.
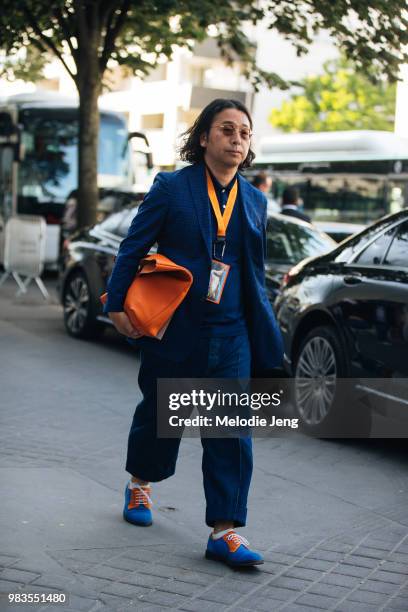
(79, 313)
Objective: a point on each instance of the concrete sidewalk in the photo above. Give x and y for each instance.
(331, 517)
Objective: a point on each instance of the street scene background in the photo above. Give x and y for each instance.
(329, 515)
(90, 110)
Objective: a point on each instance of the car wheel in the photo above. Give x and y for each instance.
(79, 312)
(322, 407)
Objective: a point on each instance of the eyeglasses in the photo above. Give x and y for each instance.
(230, 130)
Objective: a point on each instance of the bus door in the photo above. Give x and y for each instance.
(9, 157)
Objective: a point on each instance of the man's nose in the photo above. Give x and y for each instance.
(236, 138)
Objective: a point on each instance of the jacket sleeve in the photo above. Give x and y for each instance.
(143, 233)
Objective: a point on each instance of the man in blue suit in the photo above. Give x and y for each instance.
(209, 219)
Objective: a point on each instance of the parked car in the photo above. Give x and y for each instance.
(88, 257)
(289, 241)
(344, 315)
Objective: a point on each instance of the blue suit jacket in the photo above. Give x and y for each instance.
(176, 214)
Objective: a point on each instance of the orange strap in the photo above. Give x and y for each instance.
(222, 219)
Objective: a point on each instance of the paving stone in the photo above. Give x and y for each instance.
(389, 577)
(163, 598)
(123, 590)
(316, 601)
(304, 573)
(398, 568)
(330, 590)
(370, 552)
(293, 607)
(199, 605)
(296, 584)
(220, 595)
(191, 577)
(352, 570)
(354, 606)
(326, 555)
(338, 547)
(182, 588)
(8, 587)
(265, 604)
(397, 603)
(90, 584)
(341, 580)
(105, 571)
(144, 580)
(131, 565)
(56, 581)
(242, 585)
(279, 557)
(20, 576)
(283, 594)
(368, 597)
(274, 568)
(315, 564)
(358, 561)
(7, 560)
(376, 586)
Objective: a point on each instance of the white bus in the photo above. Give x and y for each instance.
(39, 159)
(350, 176)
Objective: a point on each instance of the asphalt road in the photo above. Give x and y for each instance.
(330, 516)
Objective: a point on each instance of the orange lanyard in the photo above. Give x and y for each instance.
(222, 218)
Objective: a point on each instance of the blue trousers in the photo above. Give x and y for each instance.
(226, 462)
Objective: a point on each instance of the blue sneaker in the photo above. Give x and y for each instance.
(137, 509)
(233, 550)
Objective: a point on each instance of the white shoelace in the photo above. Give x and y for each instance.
(136, 485)
(237, 539)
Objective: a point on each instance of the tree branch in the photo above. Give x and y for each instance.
(67, 33)
(46, 41)
(112, 32)
(82, 25)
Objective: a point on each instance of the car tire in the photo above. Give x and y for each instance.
(323, 409)
(79, 308)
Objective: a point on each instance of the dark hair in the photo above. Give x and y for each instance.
(191, 149)
(290, 195)
(259, 179)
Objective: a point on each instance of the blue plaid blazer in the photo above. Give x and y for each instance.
(176, 214)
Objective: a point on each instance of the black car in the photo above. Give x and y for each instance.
(88, 257)
(344, 318)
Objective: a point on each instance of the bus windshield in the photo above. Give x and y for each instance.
(49, 170)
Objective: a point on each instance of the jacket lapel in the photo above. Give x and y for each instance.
(199, 195)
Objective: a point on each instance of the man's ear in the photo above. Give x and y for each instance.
(203, 139)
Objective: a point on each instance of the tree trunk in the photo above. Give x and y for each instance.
(89, 86)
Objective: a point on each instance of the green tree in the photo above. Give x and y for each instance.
(342, 98)
(86, 34)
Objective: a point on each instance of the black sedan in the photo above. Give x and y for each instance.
(88, 258)
(344, 317)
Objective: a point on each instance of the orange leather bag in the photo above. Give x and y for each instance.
(158, 289)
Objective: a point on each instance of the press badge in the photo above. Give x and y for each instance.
(218, 276)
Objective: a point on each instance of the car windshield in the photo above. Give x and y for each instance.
(288, 242)
(356, 243)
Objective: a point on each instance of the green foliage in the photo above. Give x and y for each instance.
(136, 32)
(342, 98)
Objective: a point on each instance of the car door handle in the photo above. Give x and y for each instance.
(352, 279)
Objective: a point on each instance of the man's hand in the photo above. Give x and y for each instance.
(122, 323)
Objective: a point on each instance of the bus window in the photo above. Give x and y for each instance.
(113, 155)
(48, 172)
